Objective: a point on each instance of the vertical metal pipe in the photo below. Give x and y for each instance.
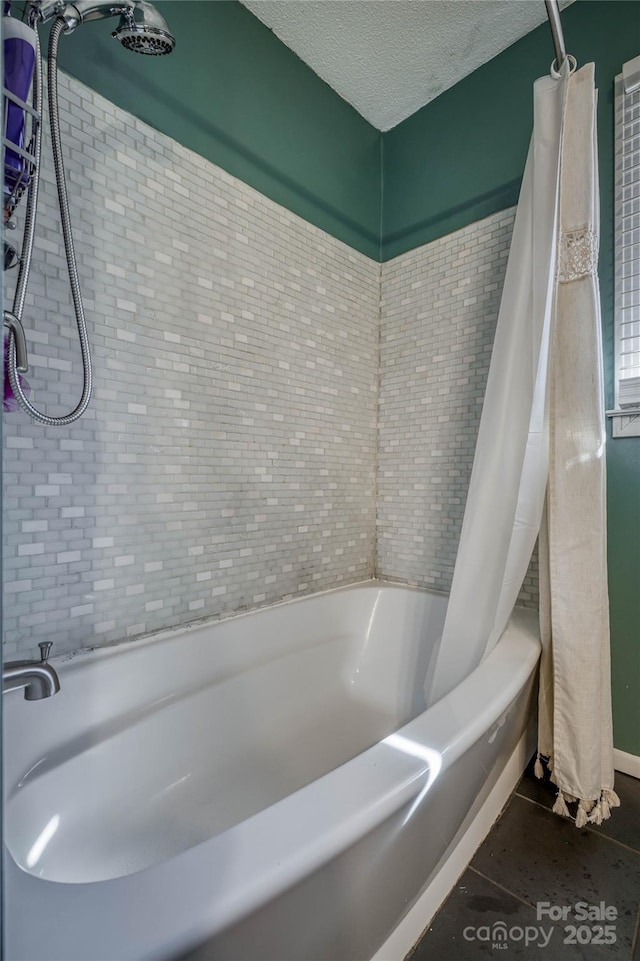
(553, 13)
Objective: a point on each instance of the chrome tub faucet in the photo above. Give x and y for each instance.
(38, 678)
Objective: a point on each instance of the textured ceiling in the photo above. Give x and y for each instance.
(390, 57)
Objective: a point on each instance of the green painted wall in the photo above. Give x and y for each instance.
(232, 92)
(461, 158)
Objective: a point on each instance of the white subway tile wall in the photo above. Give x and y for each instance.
(439, 309)
(228, 458)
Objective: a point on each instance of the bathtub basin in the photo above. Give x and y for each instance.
(270, 786)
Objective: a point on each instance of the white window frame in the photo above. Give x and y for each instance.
(626, 415)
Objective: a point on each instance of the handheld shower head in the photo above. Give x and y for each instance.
(143, 30)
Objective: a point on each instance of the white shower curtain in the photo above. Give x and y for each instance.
(509, 475)
(542, 420)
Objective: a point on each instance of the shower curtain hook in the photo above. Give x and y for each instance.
(556, 72)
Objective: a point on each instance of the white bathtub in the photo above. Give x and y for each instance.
(267, 787)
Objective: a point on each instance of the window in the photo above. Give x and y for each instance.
(627, 252)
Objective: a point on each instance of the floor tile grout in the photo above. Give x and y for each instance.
(591, 830)
(502, 888)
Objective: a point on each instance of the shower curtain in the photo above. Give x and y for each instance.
(575, 726)
(542, 421)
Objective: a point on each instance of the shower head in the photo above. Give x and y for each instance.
(141, 28)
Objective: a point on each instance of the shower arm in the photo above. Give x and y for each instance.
(553, 13)
(82, 11)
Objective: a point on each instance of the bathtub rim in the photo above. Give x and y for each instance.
(78, 658)
(102, 651)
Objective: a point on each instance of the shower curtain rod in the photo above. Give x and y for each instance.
(553, 13)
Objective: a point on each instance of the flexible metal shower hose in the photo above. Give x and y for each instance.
(30, 217)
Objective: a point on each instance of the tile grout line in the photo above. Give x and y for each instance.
(605, 837)
(502, 888)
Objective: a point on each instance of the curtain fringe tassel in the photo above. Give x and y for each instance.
(589, 811)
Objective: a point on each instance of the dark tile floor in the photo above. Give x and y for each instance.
(508, 902)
